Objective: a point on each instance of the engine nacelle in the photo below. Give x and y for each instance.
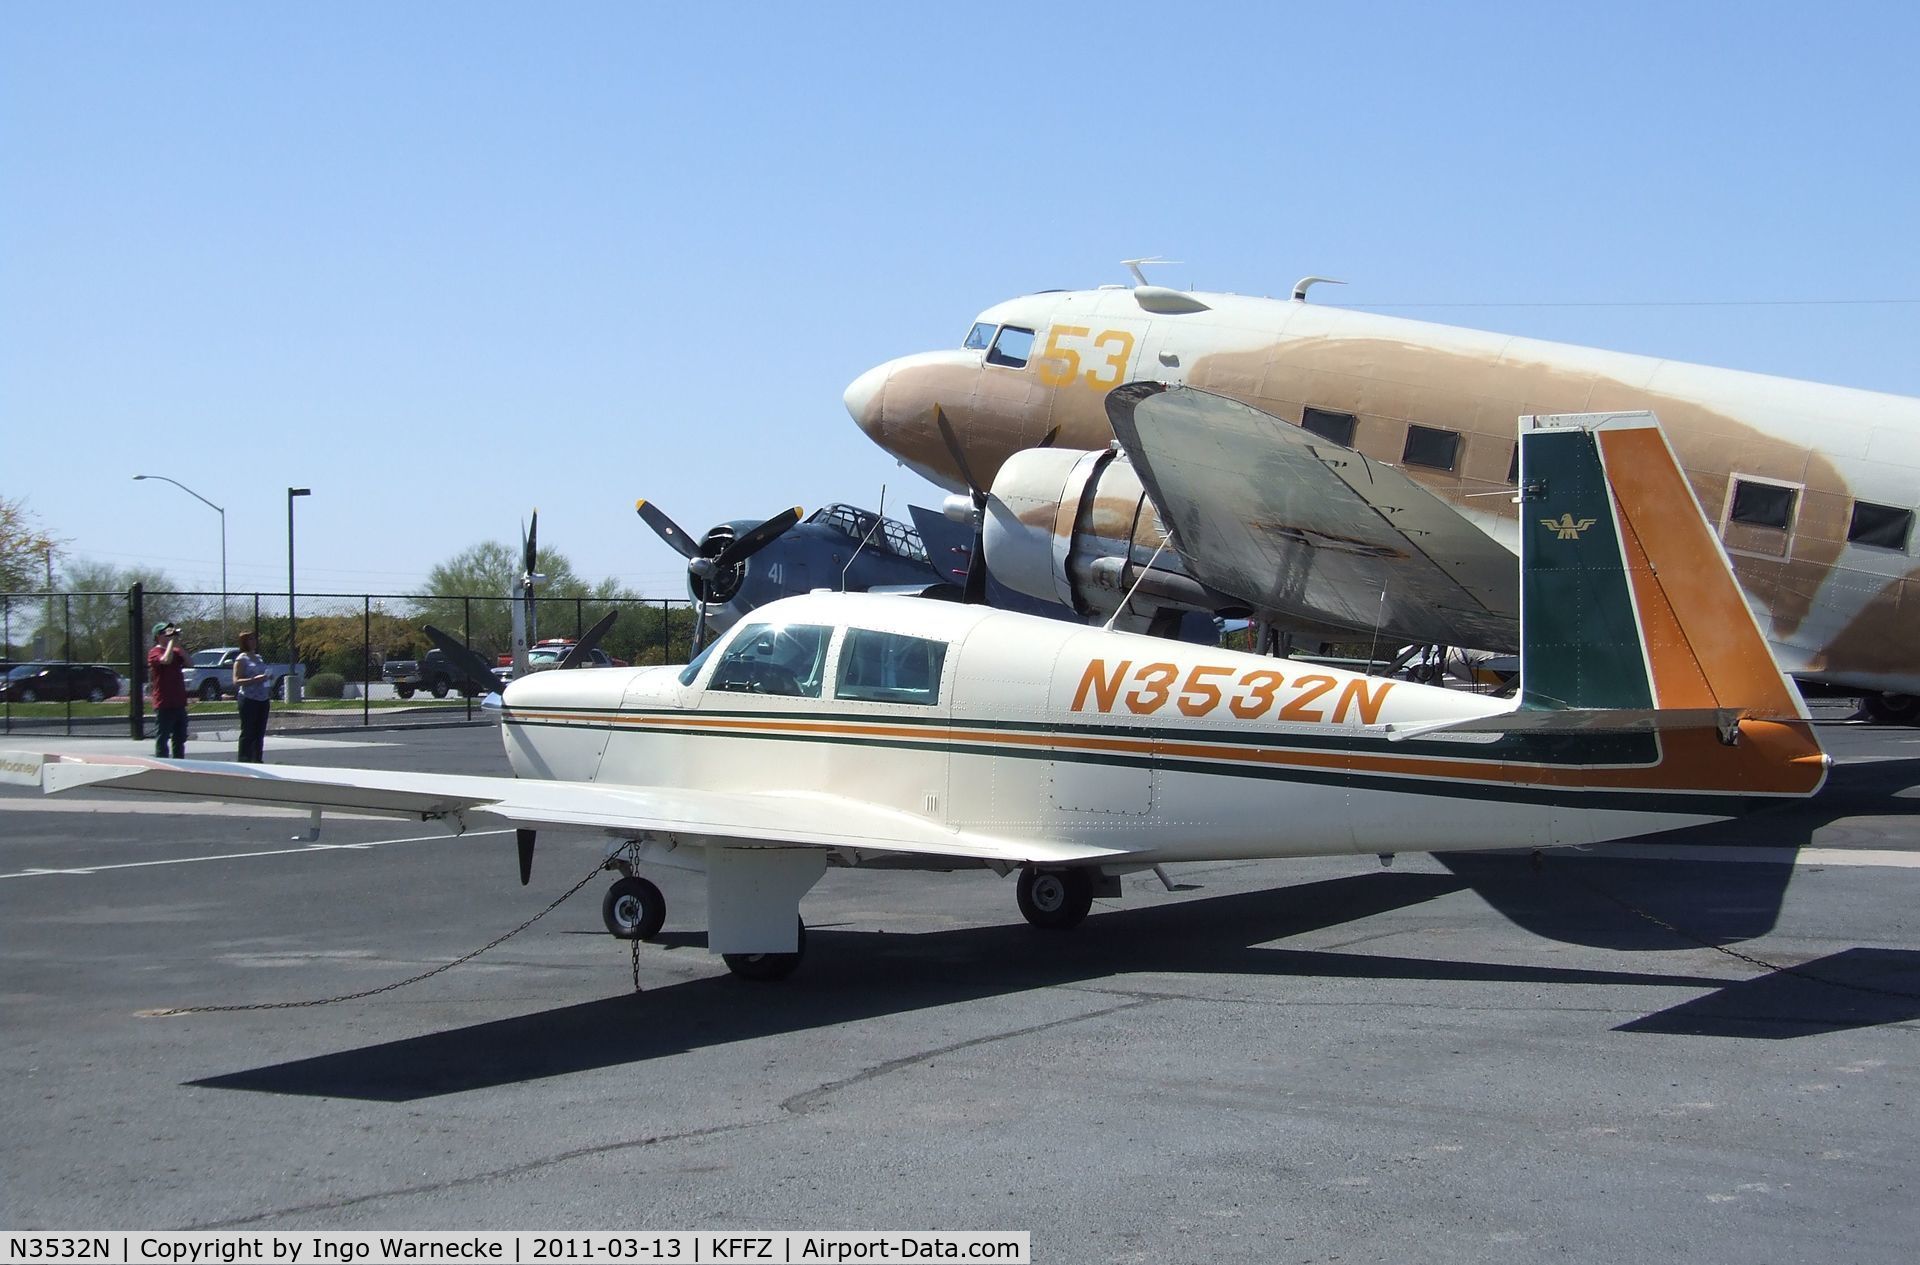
(1077, 528)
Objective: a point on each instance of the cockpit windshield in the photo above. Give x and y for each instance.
(878, 533)
(1012, 348)
(980, 336)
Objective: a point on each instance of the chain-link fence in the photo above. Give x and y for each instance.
(75, 663)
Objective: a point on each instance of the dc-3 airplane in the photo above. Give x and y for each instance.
(864, 730)
(1401, 519)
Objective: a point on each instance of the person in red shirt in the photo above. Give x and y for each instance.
(167, 670)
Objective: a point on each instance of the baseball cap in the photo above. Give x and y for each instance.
(162, 626)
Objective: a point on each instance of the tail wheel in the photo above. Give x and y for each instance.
(1055, 899)
(633, 909)
(768, 966)
(1891, 709)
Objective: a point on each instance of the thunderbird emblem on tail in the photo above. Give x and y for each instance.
(1568, 526)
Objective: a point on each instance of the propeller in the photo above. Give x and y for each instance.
(471, 663)
(974, 590)
(577, 657)
(529, 578)
(710, 561)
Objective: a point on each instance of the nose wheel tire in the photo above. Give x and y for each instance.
(768, 966)
(634, 909)
(1055, 899)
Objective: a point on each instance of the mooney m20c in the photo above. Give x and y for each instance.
(855, 729)
(1811, 489)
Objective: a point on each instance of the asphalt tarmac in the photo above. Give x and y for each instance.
(1472, 1059)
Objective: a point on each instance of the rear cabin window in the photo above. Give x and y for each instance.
(1013, 348)
(1763, 504)
(1337, 427)
(979, 337)
(1882, 526)
(778, 659)
(878, 667)
(1434, 449)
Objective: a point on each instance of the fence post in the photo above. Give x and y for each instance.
(66, 652)
(366, 660)
(137, 662)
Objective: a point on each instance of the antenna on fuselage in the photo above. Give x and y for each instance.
(879, 519)
(1301, 286)
(1133, 266)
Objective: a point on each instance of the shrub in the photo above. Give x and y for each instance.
(327, 685)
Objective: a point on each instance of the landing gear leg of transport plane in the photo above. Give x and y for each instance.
(634, 909)
(1055, 899)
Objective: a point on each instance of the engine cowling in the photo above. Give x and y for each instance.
(1077, 528)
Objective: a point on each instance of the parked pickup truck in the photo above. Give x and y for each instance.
(210, 674)
(432, 673)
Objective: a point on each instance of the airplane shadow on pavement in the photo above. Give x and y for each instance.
(1577, 900)
(854, 975)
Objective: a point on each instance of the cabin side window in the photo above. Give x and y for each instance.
(1763, 504)
(980, 337)
(779, 659)
(879, 667)
(1013, 348)
(1337, 427)
(1882, 526)
(1430, 447)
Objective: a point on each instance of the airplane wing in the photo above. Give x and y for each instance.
(738, 819)
(1295, 524)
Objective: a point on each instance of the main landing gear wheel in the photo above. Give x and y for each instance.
(768, 966)
(634, 909)
(1055, 899)
(1891, 709)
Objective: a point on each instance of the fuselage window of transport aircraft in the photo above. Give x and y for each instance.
(784, 659)
(879, 667)
(980, 337)
(1012, 348)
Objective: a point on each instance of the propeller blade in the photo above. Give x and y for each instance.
(1046, 440)
(469, 661)
(523, 841)
(532, 543)
(666, 529)
(744, 547)
(959, 456)
(699, 626)
(577, 657)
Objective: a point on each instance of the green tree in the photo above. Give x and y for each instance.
(94, 608)
(468, 594)
(24, 546)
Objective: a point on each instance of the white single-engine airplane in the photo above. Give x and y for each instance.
(837, 729)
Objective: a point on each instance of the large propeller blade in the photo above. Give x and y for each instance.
(529, 577)
(974, 590)
(471, 663)
(744, 547)
(577, 657)
(666, 529)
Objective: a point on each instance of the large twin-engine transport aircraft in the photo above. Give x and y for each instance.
(856, 730)
(1811, 489)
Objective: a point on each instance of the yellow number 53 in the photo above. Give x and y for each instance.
(1060, 363)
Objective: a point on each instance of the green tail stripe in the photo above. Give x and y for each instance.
(1580, 644)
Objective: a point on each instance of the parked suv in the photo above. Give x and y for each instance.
(37, 682)
(432, 672)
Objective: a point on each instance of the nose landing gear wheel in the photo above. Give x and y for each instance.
(1055, 899)
(633, 909)
(767, 966)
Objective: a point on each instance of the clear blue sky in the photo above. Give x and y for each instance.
(614, 250)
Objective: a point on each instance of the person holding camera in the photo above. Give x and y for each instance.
(167, 673)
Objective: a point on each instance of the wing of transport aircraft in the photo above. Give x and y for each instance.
(857, 729)
(1287, 521)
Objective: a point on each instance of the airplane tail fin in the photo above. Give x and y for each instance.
(1626, 599)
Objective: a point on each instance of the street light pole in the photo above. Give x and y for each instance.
(223, 542)
(293, 644)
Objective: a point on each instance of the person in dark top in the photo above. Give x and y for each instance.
(253, 685)
(167, 671)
